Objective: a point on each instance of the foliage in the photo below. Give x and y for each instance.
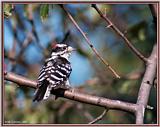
(44, 12)
(7, 10)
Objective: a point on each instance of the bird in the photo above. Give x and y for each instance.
(55, 72)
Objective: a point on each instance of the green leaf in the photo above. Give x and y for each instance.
(44, 11)
(142, 35)
(7, 10)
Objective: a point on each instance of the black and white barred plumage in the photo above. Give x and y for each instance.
(55, 72)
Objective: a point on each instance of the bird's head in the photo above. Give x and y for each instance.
(61, 50)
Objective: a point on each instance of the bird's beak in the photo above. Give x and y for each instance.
(70, 49)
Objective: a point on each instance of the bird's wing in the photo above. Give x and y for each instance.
(56, 71)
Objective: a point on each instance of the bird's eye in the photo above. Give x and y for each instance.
(58, 49)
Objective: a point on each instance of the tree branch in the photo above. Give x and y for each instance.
(25, 44)
(99, 117)
(89, 42)
(114, 28)
(20, 80)
(146, 85)
(153, 8)
(149, 76)
(75, 95)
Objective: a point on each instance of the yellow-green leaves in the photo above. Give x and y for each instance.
(7, 10)
(44, 12)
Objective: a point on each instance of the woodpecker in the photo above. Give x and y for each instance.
(55, 72)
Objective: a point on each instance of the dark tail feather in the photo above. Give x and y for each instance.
(41, 91)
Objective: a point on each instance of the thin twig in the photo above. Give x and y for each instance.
(99, 117)
(34, 32)
(13, 60)
(67, 34)
(113, 27)
(30, 18)
(26, 43)
(89, 42)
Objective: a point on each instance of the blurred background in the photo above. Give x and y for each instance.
(31, 29)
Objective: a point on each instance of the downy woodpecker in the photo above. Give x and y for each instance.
(55, 72)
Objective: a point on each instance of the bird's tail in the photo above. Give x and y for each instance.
(42, 92)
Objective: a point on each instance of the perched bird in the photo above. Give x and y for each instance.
(55, 72)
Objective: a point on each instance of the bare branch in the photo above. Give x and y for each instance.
(26, 43)
(75, 95)
(153, 8)
(20, 80)
(99, 117)
(67, 34)
(113, 27)
(146, 85)
(89, 43)
(34, 32)
(149, 76)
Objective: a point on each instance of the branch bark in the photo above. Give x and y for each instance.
(149, 75)
(146, 85)
(75, 95)
(89, 43)
(114, 28)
